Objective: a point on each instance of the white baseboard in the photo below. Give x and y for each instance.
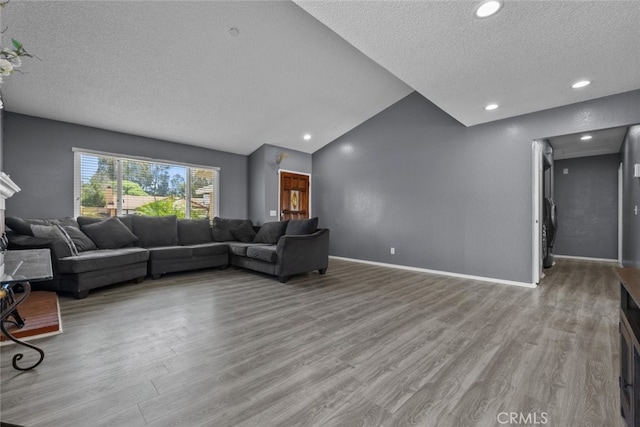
(438, 272)
(584, 258)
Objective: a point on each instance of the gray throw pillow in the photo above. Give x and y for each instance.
(53, 232)
(222, 228)
(109, 234)
(19, 225)
(23, 225)
(81, 240)
(194, 231)
(86, 220)
(244, 233)
(270, 232)
(297, 227)
(154, 231)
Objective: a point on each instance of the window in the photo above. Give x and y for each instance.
(107, 185)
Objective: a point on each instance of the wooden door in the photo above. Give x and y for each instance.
(294, 196)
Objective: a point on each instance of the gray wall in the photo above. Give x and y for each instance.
(263, 177)
(447, 197)
(587, 201)
(257, 173)
(630, 199)
(38, 156)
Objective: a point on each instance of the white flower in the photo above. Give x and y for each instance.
(5, 67)
(11, 56)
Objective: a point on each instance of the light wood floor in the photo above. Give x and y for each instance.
(362, 345)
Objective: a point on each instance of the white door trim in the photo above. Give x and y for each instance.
(620, 196)
(537, 211)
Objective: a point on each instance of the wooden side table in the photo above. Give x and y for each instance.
(20, 269)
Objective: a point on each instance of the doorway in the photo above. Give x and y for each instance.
(294, 195)
(586, 188)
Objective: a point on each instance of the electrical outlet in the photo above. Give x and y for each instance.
(393, 251)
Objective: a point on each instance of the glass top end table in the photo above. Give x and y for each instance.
(19, 269)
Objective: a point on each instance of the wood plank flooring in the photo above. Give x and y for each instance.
(362, 345)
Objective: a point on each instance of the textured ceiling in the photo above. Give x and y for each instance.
(172, 69)
(525, 58)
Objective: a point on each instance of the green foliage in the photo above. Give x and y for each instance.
(130, 188)
(162, 207)
(93, 195)
(17, 46)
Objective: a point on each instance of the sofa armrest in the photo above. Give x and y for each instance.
(300, 254)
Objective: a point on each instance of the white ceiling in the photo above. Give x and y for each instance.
(172, 70)
(525, 58)
(606, 141)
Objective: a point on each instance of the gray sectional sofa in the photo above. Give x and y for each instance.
(88, 253)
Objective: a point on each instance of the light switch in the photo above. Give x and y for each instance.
(565, 171)
(273, 213)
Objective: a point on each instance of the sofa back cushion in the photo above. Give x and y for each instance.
(23, 225)
(126, 220)
(297, 227)
(194, 231)
(110, 233)
(155, 231)
(244, 233)
(222, 228)
(270, 232)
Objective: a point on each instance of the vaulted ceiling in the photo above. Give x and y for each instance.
(234, 75)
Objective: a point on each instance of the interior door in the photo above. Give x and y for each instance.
(294, 196)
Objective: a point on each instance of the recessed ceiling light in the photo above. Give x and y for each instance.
(488, 8)
(307, 137)
(491, 107)
(581, 83)
(586, 138)
(233, 31)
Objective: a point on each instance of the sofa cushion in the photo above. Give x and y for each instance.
(297, 227)
(263, 253)
(209, 249)
(239, 248)
(23, 225)
(110, 233)
(170, 252)
(80, 240)
(194, 231)
(270, 232)
(222, 228)
(86, 220)
(19, 225)
(156, 230)
(244, 232)
(102, 259)
(54, 232)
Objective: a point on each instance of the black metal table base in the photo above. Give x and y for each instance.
(10, 305)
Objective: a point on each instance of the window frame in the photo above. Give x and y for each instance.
(77, 178)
